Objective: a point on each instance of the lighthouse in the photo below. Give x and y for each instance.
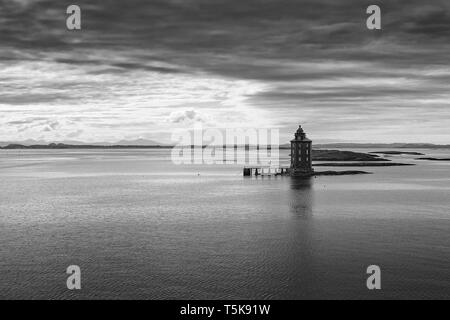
(301, 154)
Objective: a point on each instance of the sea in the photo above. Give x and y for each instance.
(141, 227)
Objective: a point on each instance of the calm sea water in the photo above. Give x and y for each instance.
(141, 227)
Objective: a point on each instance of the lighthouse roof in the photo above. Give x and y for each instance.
(300, 135)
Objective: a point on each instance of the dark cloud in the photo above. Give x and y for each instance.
(190, 31)
(201, 33)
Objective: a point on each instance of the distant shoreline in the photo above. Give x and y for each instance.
(317, 154)
(13, 146)
(83, 146)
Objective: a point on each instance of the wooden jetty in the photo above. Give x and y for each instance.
(266, 171)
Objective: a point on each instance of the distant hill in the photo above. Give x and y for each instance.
(73, 146)
(40, 144)
(24, 142)
(31, 142)
(144, 143)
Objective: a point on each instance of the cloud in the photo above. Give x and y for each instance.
(256, 63)
(185, 116)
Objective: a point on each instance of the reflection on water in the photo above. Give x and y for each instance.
(301, 197)
(141, 227)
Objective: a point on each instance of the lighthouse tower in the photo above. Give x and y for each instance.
(301, 154)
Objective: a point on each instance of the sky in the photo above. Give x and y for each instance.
(143, 68)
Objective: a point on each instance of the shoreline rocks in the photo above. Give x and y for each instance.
(363, 164)
(398, 153)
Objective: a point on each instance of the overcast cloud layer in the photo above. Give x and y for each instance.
(139, 68)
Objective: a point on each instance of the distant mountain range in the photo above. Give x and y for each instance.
(31, 142)
(144, 143)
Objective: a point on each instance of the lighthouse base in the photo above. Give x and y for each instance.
(302, 172)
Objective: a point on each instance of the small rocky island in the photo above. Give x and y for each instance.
(434, 159)
(338, 155)
(362, 164)
(351, 159)
(398, 153)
